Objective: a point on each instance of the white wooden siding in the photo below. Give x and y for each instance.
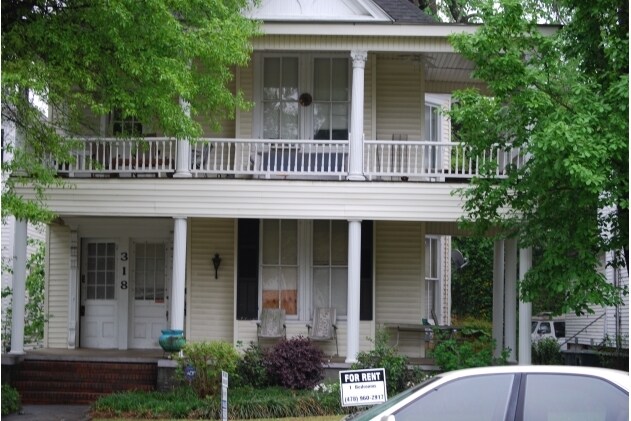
(57, 279)
(246, 85)
(400, 286)
(211, 301)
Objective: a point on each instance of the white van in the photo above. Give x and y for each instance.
(546, 327)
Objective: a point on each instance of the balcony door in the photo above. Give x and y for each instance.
(304, 97)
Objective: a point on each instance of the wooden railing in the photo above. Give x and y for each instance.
(264, 158)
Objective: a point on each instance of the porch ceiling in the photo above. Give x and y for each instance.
(241, 198)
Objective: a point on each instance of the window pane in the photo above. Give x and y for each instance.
(321, 80)
(289, 119)
(320, 242)
(271, 78)
(339, 243)
(289, 290)
(340, 121)
(482, 398)
(270, 242)
(289, 242)
(271, 120)
(320, 287)
(575, 397)
(339, 290)
(340, 79)
(290, 79)
(321, 122)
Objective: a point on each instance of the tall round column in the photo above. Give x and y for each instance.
(356, 172)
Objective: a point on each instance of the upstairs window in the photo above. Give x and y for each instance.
(125, 125)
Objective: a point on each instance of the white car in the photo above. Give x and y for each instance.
(509, 393)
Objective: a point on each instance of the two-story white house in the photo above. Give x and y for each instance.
(334, 190)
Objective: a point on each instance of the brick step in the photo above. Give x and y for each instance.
(91, 387)
(58, 398)
(75, 366)
(103, 376)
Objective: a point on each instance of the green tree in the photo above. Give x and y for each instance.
(472, 286)
(141, 57)
(563, 99)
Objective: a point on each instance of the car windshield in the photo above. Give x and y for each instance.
(533, 326)
(377, 409)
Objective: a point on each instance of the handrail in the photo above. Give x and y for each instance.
(583, 329)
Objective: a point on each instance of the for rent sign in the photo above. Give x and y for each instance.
(363, 387)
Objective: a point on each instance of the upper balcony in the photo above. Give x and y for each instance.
(382, 160)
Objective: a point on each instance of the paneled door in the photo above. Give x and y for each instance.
(99, 307)
(149, 288)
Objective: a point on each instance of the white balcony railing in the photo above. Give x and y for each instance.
(264, 158)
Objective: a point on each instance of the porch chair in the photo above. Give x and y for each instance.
(271, 324)
(323, 326)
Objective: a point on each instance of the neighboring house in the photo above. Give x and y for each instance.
(607, 327)
(334, 190)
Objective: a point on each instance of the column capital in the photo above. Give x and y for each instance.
(359, 58)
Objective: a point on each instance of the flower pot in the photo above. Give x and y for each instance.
(172, 340)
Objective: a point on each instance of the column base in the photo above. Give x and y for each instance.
(183, 174)
(356, 178)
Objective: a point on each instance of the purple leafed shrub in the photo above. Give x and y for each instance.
(295, 363)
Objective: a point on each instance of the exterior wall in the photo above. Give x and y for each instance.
(57, 282)
(400, 273)
(211, 301)
(245, 82)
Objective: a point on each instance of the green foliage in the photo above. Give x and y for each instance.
(244, 403)
(546, 351)
(208, 359)
(470, 346)
(295, 363)
(251, 370)
(139, 57)
(562, 99)
(34, 316)
(472, 286)
(10, 400)
(398, 375)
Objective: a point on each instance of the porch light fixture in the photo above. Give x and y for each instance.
(216, 263)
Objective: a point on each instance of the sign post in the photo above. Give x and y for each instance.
(363, 387)
(224, 396)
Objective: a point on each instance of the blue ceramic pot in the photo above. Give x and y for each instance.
(172, 340)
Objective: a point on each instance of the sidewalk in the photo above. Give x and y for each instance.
(51, 413)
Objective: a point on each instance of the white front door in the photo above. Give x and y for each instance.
(149, 303)
(99, 307)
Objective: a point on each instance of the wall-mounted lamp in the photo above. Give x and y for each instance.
(216, 263)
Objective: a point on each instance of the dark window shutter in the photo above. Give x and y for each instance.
(248, 269)
(365, 297)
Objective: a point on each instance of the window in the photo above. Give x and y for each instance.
(432, 134)
(280, 98)
(330, 265)
(330, 99)
(280, 265)
(573, 397)
(101, 271)
(123, 125)
(149, 272)
(432, 275)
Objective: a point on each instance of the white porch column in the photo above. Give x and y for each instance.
(525, 311)
(354, 275)
(182, 164)
(355, 166)
(510, 293)
(498, 297)
(19, 287)
(179, 273)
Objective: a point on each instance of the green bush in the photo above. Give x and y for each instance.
(470, 346)
(546, 351)
(251, 369)
(208, 359)
(10, 400)
(398, 375)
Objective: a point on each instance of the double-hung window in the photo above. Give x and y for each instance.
(330, 265)
(280, 265)
(432, 275)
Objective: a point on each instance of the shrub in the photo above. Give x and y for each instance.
(384, 356)
(10, 400)
(251, 369)
(469, 347)
(546, 351)
(295, 363)
(208, 360)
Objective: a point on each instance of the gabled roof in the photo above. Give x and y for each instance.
(355, 11)
(403, 11)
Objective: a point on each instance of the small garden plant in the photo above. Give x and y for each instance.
(10, 400)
